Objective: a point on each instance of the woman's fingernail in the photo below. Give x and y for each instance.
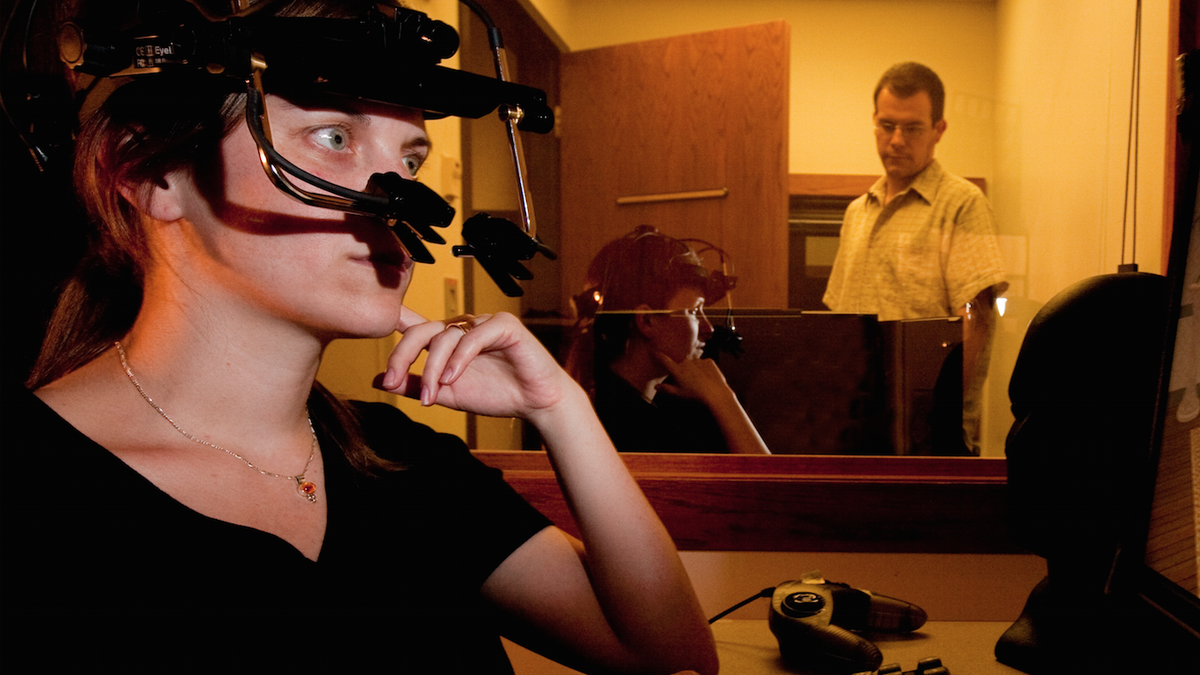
(447, 375)
(426, 395)
(389, 379)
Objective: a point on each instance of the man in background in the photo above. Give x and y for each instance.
(922, 242)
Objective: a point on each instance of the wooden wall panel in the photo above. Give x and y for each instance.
(697, 112)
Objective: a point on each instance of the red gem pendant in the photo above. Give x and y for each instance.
(307, 489)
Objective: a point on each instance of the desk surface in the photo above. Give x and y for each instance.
(747, 647)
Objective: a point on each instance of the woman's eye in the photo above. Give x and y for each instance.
(333, 138)
(412, 165)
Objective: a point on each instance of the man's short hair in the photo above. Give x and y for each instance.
(907, 79)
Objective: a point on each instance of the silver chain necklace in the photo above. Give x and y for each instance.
(304, 487)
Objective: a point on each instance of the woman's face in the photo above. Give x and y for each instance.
(682, 333)
(335, 273)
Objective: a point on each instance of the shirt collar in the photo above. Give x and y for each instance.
(925, 184)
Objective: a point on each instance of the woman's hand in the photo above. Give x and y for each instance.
(696, 379)
(624, 589)
(701, 380)
(486, 364)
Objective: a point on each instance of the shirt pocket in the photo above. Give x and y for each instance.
(919, 274)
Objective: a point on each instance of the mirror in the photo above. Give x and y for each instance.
(1030, 111)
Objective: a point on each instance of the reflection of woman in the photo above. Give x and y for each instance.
(644, 310)
(193, 487)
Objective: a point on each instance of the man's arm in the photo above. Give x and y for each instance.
(978, 327)
(979, 324)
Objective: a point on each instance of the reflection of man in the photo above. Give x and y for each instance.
(922, 242)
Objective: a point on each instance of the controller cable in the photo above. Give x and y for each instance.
(764, 593)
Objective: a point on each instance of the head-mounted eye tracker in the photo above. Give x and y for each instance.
(389, 56)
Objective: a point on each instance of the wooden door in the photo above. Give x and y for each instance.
(689, 114)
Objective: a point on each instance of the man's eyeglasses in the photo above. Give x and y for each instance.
(911, 132)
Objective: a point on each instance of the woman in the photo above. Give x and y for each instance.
(642, 331)
(202, 491)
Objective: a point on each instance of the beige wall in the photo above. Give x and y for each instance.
(1037, 103)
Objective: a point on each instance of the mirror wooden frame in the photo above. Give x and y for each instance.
(802, 502)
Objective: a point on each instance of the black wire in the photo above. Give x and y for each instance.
(495, 40)
(764, 593)
(1131, 145)
(39, 158)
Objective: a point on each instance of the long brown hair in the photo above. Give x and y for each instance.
(144, 130)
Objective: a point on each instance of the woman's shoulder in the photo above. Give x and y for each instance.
(96, 401)
(46, 415)
(37, 437)
(22, 409)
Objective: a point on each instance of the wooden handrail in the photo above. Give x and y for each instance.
(802, 502)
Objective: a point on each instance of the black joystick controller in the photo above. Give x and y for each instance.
(814, 622)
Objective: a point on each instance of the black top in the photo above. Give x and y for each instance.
(95, 557)
(668, 424)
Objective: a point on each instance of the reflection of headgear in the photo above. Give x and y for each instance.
(647, 267)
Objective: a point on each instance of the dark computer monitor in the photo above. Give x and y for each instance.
(1163, 556)
(1159, 565)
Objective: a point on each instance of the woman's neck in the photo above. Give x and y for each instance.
(244, 376)
(638, 367)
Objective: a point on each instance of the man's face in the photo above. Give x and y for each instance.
(905, 133)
